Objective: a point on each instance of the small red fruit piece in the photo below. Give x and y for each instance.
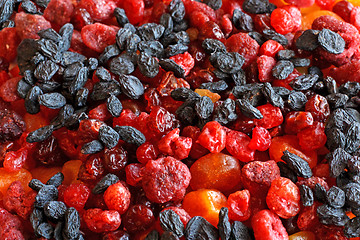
(245, 45)
(76, 195)
(117, 197)
(270, 48)
(165, 179)
(134, 10)
(185, 60)
(97, 36)
(282, 21)
(99, 9)
(272, 116)
(237, 144)
(265, 64)
(65, 7)
(319, 108)
(212, 137)
(146, 152)
(268, 226)
(28, 25)
(261, 139)
(313, 137)
(238, 204)
(9, 43)
(283, 198)
(99, 221)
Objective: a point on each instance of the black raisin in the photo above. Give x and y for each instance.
(271, 96)
(240, 231)
(130, 135)
(177, 10)
(308, 40)
(335, 197)
(40, 134)
(204, 107)
(114, 106)
(151, 31)
(199, 228)
(225, 112)
(170, 221)
(297, 100)
(81, 97)
(320, 193)
(228, 62)
(352, 228)
(120, 16)
(242, 21)
(148, 65)
(285, 54)
(92, 147)
(55, 210)
(36, 184)
(248, 110)
(300, 62)
(270, 34)
(331, 41)
(131, 86)
(52, 100)
(171, 65)
(181, 94)
(282, 69)
(306, 195)
(46, 193)
(329, 215)
(56, 180)
(121, 65)
(45, 230)
(297, 164)
(108, 136)
(71, 228)
(256, 6)
(213, 45)
(287, 172)
(337, 100)
(6, 9)
(36, 218)
(224, 225)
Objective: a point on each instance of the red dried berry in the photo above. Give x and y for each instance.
(28, 25)
(311, 182)
(99, 10)
(193, 6)
(295, 15)
(272, 116)
(237, 144)
(76, 195)
(212, 137)
(134, 10)
(97, 36)
(174, 145)
(283, 198)
(313, 137)
(268, 226)
(185, 60)
(245, 45)
(100, 113)
(296, 121)
(81, 18)
(117, 197)
(10, 41)
(133, 173)
(355, 17)
(115, 159)
(257, 176)
(99, 221)
(270, 48)
(17, 201)
(160, 121)
(65, 7)
(211, 30)
(8, 90)
(165, 179)
(138, 218)
(319, 108)
(343, 9)
(308, 219)
(11, 125)
(238, 204)
(146, 152)
(261, 139)
(265, 64)
(49, 153)
(198, 19)
(92, 169)
(282, 21)
(15, 160)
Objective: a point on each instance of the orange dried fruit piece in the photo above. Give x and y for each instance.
(70, 170)
(309, 18)
(303, 235)
(215, 171)
(23, 175)
(45, 173)
(205, 92)
(205, 203)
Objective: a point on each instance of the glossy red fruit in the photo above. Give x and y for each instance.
(99, 10)
(245, 45)
(268, 226)
(10, 42)
(28, 25)
(134, 10)
(212, 137)
(76, 195)
(319, 108)
(283, 198)
(237, 144)
(117, 197)
(270, 48)
(238, 204)
(296, 121)
(272, 116)
(66, 8)
(165, 179)
(99, 221)
(313, 137)
(265, 64)
(261, 139)
(98, 36)
(138, 218)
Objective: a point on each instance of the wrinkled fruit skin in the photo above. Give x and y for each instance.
(99, 221)
(165, 179)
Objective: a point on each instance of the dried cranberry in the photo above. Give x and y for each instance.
(138, 218)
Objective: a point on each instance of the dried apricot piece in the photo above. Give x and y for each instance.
(215, 171)
(205, 203)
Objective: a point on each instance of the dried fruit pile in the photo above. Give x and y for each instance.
(180, 119)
